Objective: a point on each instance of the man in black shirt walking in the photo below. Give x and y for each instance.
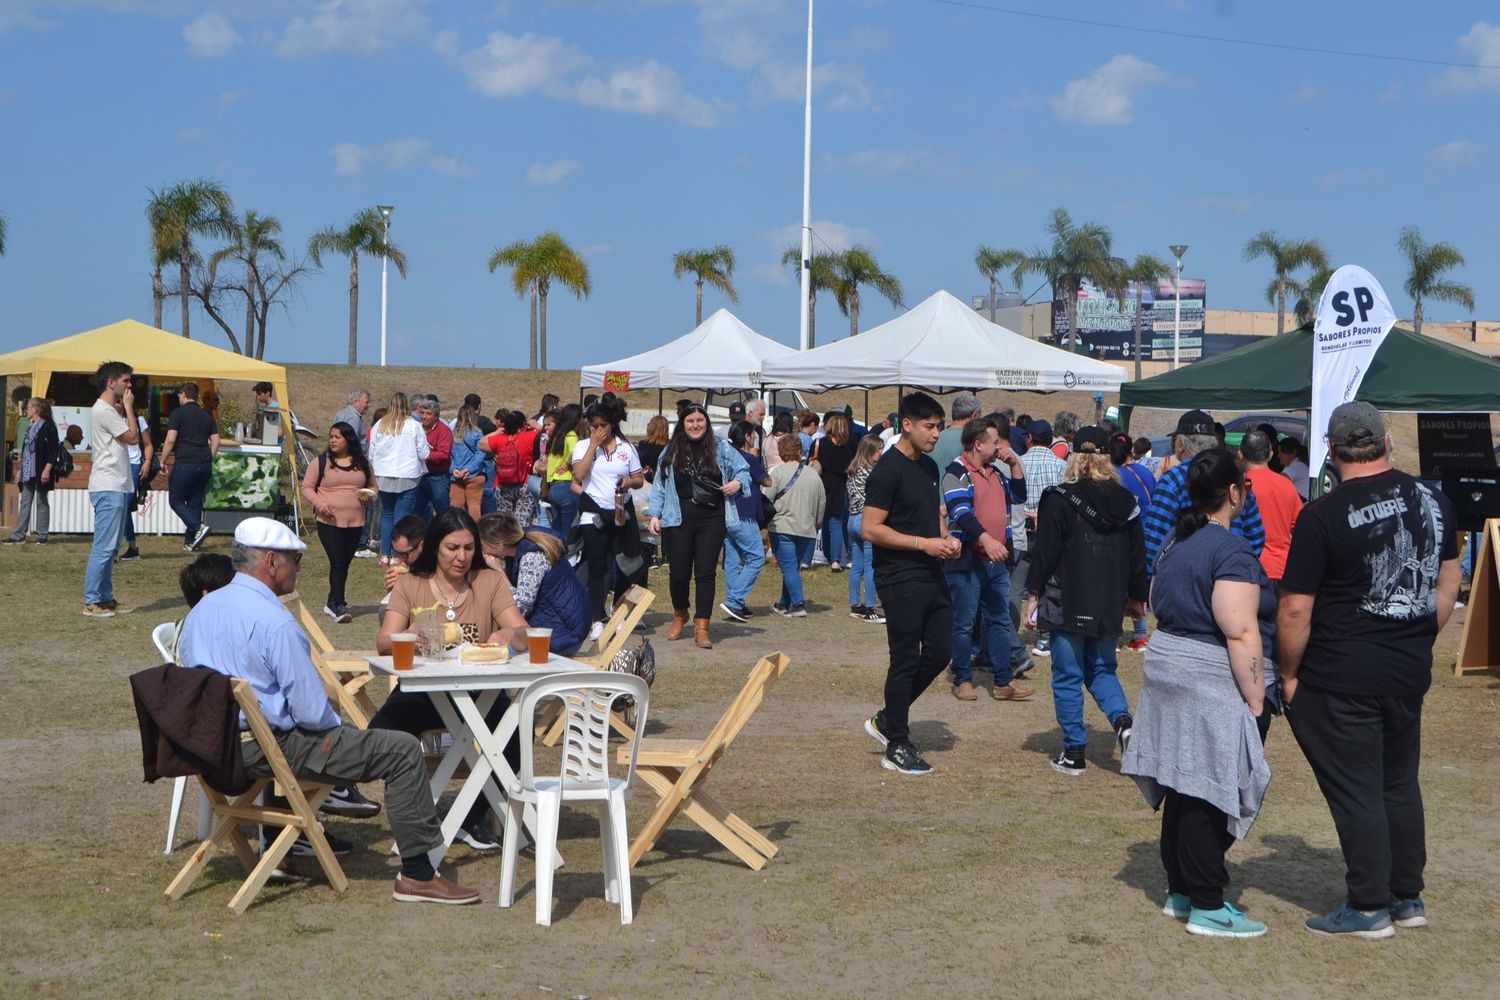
(1370, 580)
(194, 435)
(904, 522)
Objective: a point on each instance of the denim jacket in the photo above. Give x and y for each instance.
(666, 504)
(468, 458)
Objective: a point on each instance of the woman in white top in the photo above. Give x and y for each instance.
(140, 455)
(398, 456)
(605, 468)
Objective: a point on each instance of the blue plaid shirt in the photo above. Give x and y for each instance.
(1171, 496)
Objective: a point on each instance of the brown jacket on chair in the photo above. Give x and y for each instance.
(189, 724)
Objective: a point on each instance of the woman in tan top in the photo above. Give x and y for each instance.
(452, 574)
(337, 487)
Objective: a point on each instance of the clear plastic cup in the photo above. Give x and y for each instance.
(539, 642)
(403, 650)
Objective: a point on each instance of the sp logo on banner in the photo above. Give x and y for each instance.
(617, 381)
(1354, 317)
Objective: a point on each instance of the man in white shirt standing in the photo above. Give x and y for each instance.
(110, 485)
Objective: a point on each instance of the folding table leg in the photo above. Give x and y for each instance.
(178, 786)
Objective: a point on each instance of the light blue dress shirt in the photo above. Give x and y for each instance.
(242, 630)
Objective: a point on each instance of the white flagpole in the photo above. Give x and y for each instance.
(807, 184)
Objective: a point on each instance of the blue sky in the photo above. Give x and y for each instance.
(641, 127)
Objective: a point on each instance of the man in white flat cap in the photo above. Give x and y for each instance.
(244, 631)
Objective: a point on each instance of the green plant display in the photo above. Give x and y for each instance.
(244, 482)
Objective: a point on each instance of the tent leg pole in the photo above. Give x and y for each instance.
(867, 407)
(658, 402)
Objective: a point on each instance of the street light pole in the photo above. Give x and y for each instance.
(1178, 249)
(806, 273)
(385, 213)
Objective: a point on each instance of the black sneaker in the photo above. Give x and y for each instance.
(302, 847)
(13, 540)
(1023, 668)
(903, 758)
(858, 612)
(131, 554)
(41, 541)
(340, 615)
(798, 610)
(1124, 724)
(875, 726)
(1070, 762)
(346, 800)
(874, 616)
(201, 534)
(478, 836)
(734, 611)
(779, 608)
(1042, 646)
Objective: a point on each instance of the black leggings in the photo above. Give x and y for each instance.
(413, 713)
(340, 544)
(598, 544)
(693, 552)
(1194, 839)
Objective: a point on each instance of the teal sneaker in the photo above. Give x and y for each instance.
(1409, 912)
(1355, 923)
(1227, 921)
(1178, 906)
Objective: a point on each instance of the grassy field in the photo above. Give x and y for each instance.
(994, 876)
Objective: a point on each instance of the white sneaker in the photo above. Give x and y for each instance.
(596, 631)
(366, 554)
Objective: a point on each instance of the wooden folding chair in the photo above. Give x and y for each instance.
(629, 610)
(299, 819)
(345, 674)
(677, 770)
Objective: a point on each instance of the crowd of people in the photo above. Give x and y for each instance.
(958, 535)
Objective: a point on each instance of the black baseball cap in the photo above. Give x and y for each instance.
(1195, 422)
(1091, 438)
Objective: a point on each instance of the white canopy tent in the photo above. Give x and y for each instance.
(941, 345)
(721, 353)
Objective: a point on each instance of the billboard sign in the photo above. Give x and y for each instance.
(1107, 324)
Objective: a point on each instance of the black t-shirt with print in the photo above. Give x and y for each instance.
(1369, 552)
(907, 490)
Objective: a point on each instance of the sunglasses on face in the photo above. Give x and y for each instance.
(403, 556)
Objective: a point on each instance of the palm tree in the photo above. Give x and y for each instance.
(857, 266)
(179, 213)
(1309, 292)
(1078, 254)
(256, 245)
(991, 262)
(4, 228)
(1146, 269)
(822, 281)
(714, 267)
(1426, 263)
(535, 266)
(1286, 256)
(364, 233)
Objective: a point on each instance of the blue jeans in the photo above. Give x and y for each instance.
(564, 507)
(743, 558)
(791, 551)
(393, 507)
(834, 527)
(489, 502)
(109, 523)
(186, 487)
(981, 587)
(432, 494)
(534, 487)
(1077, 662)
(861, 564)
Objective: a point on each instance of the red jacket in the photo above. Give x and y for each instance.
(440, 439)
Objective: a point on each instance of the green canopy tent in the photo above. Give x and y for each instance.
(1410, 373)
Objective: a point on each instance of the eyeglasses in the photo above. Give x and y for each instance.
(295, 557)
(404, 556)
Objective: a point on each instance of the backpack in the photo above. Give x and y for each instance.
(638, 660)
(62, 465)
(510, 469)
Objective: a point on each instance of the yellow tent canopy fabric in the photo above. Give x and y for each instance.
(146, 349)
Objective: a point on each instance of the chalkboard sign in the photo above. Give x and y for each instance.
(1448, 441)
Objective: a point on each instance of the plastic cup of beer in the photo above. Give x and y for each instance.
(539, 642)
(403, 649)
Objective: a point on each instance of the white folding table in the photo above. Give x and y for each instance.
(462, 693)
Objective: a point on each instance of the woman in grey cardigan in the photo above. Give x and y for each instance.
(800, 500)
(1195, 750)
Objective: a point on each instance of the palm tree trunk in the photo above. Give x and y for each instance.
(1137, 332)
(1416, 314)
(1280, 306)
(354, 308)
(698, 316)
(533, 326)
(812, 317)
(992, 301)
(854, 313)
(158, 297)
(250, 326)
(186, 279)
(541, 328)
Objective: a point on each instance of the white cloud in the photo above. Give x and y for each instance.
(210, 35)
(647, 89)
(550, 174)
(925, 161)
(1224, 203)
(827, 235)
(1108, 95)
(1482, 45)
(843, 85)
(352, 159)
(743, 34)
(1306, 93)
(1458, 153)
(509, 66)
(353, 27)
(776, 275)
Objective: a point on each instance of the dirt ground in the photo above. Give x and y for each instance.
(994, 876)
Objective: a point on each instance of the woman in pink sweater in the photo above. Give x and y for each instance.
(337, 487)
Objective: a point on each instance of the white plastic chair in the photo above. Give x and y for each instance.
(165, 638)
(588, 700)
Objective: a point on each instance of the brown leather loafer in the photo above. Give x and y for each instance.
(1011, 692)
(964, 691)
(435, 890)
